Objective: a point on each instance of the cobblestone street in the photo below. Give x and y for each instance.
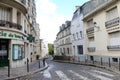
(66, 71)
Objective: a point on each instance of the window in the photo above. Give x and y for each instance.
(18, 52)
(115, 59)
(74, 49)
(90, 23)
(68, 50)
(77, 35)
(5, 14)
(80, 49)
(112, 13)
(114, 38)
(81, 35)
(91, 42)
(18, 17)
(74, 37)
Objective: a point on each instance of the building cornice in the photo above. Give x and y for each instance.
(102, 6)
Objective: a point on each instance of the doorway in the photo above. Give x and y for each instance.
(4, 49)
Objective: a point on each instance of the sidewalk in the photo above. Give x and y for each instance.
(21, 71)
(113, 67)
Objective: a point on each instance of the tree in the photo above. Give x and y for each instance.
(51, 48)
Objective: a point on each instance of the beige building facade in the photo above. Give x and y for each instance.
(63, 44)
(102, 23)
(17, 22)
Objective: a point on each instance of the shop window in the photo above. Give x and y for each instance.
(18, 52)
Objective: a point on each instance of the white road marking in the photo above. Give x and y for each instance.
(99, 76)
(46, 74)
(62, 75)
(103, 73)
(78, 75)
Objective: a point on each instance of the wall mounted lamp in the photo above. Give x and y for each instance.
(95, 25)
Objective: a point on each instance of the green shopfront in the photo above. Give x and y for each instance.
(4, 50)
(12, 48)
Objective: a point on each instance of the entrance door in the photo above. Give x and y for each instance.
(4, 43)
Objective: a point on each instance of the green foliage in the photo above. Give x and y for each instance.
(51, 48)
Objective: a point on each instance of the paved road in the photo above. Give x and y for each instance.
(66, 71)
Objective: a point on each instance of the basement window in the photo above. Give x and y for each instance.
(91, 58)
(115, 59)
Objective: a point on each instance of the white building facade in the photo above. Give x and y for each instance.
(77, 31)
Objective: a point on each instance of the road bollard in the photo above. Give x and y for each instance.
(8, 68)
(43, 61)
(101, 61)
(27, 65)
(119, 64)
(109, 63)
(39, 63)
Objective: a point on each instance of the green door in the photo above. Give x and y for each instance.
(4, 43)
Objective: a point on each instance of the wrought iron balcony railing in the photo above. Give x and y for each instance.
(91, 49)
(113, 47)
(112, 23)
(9, 24)
(23, 1)
(90, 30)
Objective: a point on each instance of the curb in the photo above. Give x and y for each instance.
(103, 67)
(29, 73)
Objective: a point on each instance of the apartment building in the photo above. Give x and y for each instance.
(17, 31)
(37, 46)
(44, 48)
(63, 40)
(101, 20)
(77, 31)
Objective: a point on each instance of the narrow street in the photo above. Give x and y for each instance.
(66, 71)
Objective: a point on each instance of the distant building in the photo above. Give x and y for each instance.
(63, 44)
(44, 48)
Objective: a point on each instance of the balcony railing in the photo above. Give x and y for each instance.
(90, 30)
(114, 47)
(113, 22)
(9, 24)
(23, 1)
(91, 49)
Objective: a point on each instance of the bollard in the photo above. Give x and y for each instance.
(119, 64)
(101, 61)
(109, 63)
(85, 61)
(93, 61)
(39, 63)
(8, 68)
(43, 61)
(27, 65)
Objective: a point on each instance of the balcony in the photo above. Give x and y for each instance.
(23, 1)
(112, 25)
(113, 47)
(91, 49)
(8, 24)
(90, 32)
(19, 4)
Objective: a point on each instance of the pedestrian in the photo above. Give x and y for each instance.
(43, 61)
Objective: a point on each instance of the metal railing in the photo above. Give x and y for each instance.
(23, 1)
(114, 47)
(90, 30)
(91, 49)
(112, 22)
(9, 24)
